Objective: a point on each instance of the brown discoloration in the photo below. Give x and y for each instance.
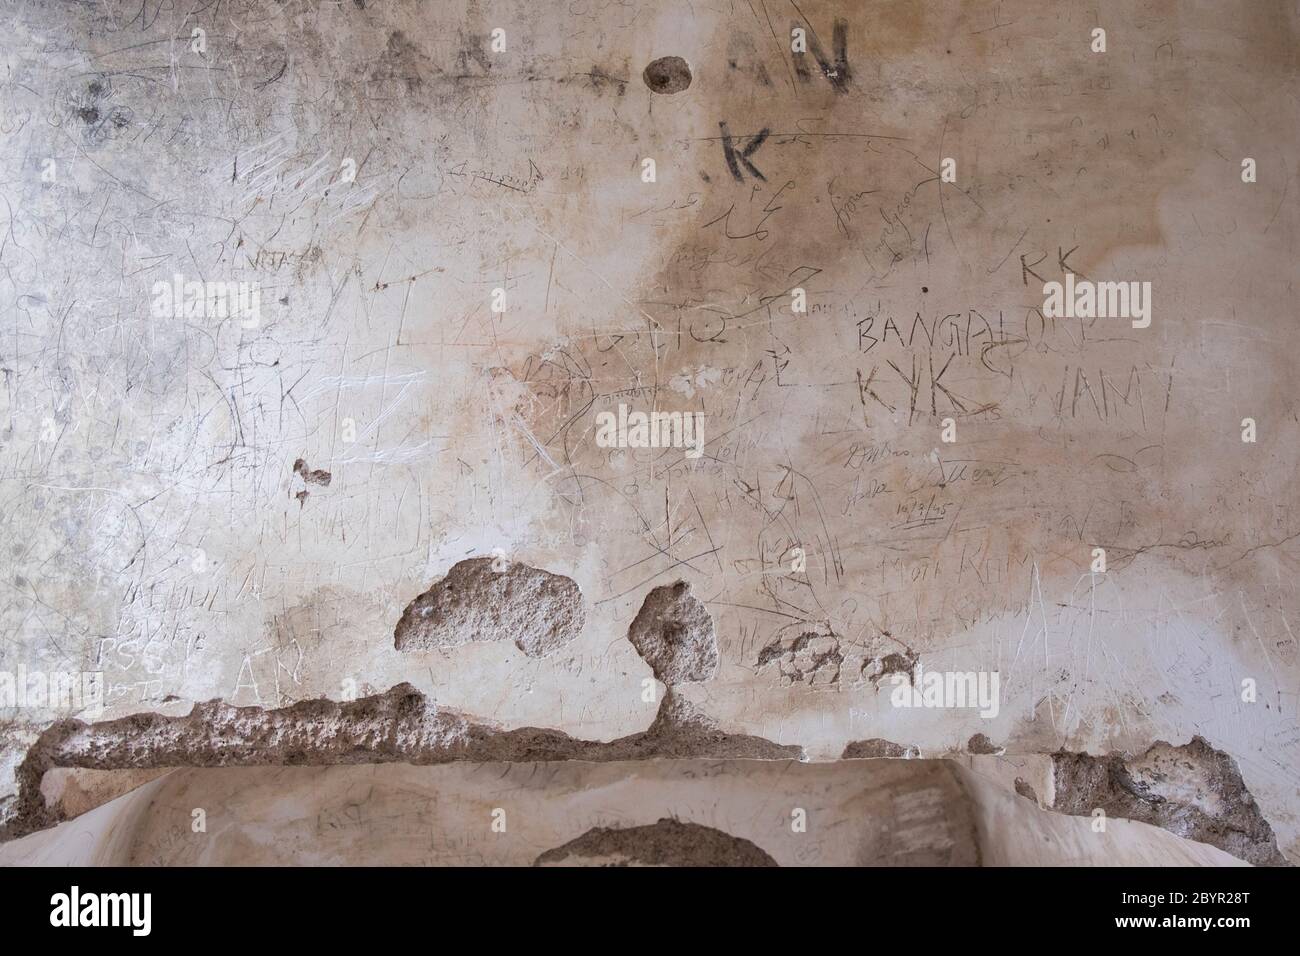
(1072, 434)
(666, 843)
(935, 824)
(73, 792)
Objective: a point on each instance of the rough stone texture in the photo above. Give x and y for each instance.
(666, 843)
(398, 726)
(877, 747)
(814, 659)
(878, 669)
(980, 744)
(538, 610)
(1192, 790)
(673, 632)
(1013, 831)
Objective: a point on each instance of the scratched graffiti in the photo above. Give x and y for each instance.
(835, 261)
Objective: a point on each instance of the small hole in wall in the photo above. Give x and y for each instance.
(668, 74)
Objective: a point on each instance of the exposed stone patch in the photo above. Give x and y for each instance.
(879, 668)
(538, 610)
(878, 747)
(673, 632)
(681, 730)
(980, 744)
(818, 659)
(666, 843)
(1192, 790)
(313, 476)
(400, 725)
(811, 658)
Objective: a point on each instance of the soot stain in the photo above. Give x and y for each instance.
(668, 74)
